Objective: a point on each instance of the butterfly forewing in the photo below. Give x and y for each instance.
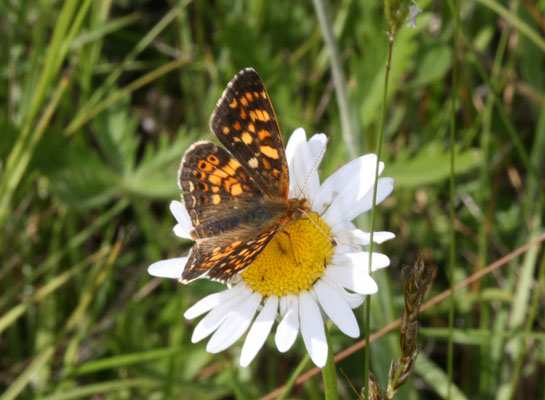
(245, 123)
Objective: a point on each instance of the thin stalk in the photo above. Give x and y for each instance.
(373, 213)
(291, 381)
(329, 373)
(339, 81)
(452, 250)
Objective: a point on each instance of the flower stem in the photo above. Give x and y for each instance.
(329, 373)
(339, 81)
(372, 227)
(452, 252)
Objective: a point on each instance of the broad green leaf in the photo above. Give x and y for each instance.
(430, 165)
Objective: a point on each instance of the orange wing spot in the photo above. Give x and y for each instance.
(221, 172)
(243, 101)
(243, 114)
(236, 190)
(237, 126)
(236, 244)
(253, 115)
(264, 94)
(213, 159)
(262, 239)
(233, 104)
(262, 115)
(215, 180)
(205, 166)
(269, 152)
(228, 183)
(263, 134)
(215, 189)
(246, 138)
(266, 163)
(249, 96)
(256, 95)
(216, 199)
(232, 167)
(203, 187)
(226, 130)
(251, 127)
(276, 173)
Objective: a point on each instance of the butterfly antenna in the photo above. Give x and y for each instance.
(314, 167)
(306, 214)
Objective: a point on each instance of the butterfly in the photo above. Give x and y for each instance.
(237, 195)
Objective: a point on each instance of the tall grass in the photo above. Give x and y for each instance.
(101, 99)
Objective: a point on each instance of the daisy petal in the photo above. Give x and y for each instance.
(384, 188)
(317, 144)
(184, 226)
(337, 308)
(286, 333)
(361, 238)
(212, 301)
(234, 326)
(304, 177)
(259, 331)
(357, 199)
(352, 180)
(354, 279)
(214, 318)
(354, 300)
(361, 260)
(171, 268)
(312, 329)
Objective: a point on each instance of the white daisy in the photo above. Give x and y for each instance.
(301, 275)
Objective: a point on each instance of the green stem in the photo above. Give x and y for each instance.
(324, 18)
(291, 381)
(373, 213)
(329, 373)
(452, 252)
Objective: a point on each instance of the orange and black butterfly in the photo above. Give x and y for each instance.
(237, 196)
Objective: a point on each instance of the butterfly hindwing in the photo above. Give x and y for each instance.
(245, 123)
(222, 258)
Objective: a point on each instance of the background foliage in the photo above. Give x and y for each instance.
(100, 99)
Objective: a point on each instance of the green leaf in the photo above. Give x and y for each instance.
(115, 133)
(430, 165)
(85, 182)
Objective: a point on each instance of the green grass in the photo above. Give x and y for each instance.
(100, 100)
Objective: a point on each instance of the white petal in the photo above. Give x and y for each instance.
(286, 333)
(234, 326)
(336, 308)
(312, 329)
(361, 260)
(184, 226)
(259, 331)
(364, 204)
(357, 236)
(171, 268)
(303, 167)
(213, 300)
(356, 200)
(354, 279)
(214, 318)
(317, 144)
(357, 176)
(354, 300)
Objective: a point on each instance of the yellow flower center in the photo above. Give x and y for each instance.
(293, 260)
